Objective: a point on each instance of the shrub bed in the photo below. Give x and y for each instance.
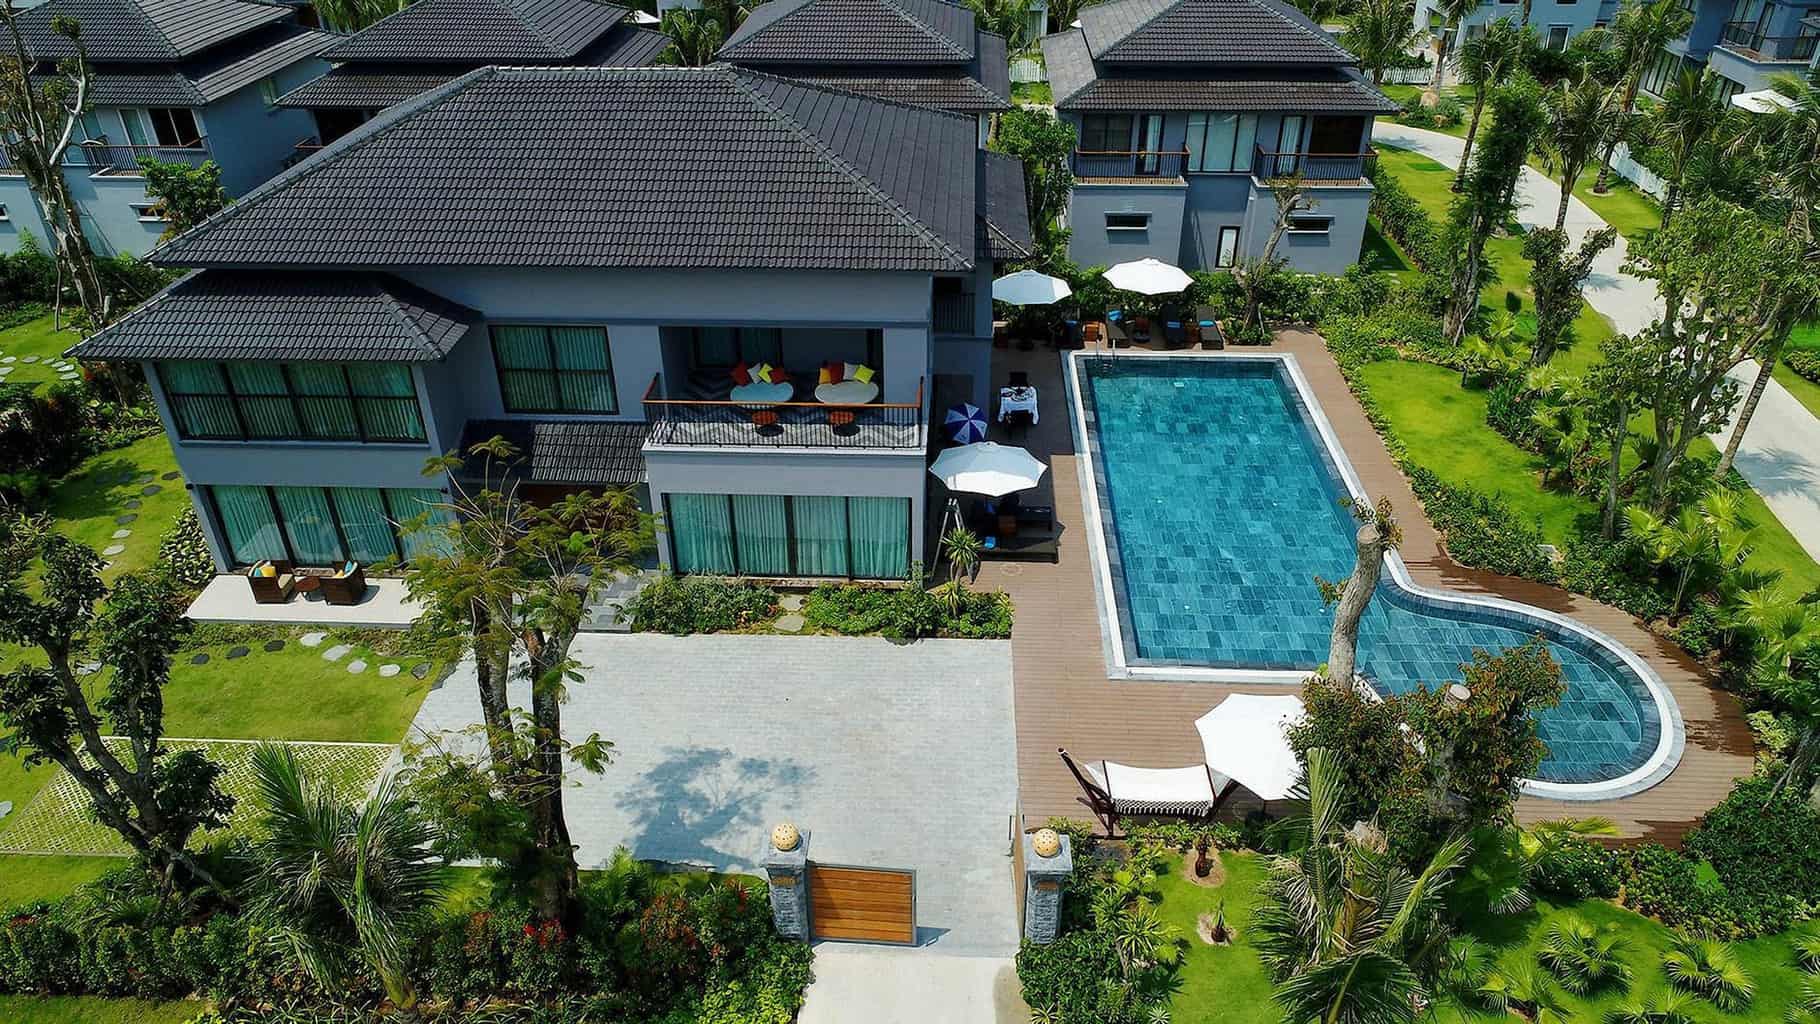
(682, 605)
(908, 613)
(1804, 362)
(1481, 531)
(1406, 222)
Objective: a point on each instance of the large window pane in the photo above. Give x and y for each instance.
(308, 525)
(701, 532)
(880, 528)
(265, 401)
(386, 401)
(246, 520)
(821, 535)
(583, 372)
(323, 399)
(363, 521)
(763, 527)
(406, 504)
(526, 383)
(199, 399)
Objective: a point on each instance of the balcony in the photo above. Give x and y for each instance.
(953, 313)
(797, 423)
(303, 150)
(1129, 163)
(1747, 40)
(1315, 168)
(103, 158)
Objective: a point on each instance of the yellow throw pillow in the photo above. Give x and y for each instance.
(865, 374)
(825, 377)
(763, 372)
(268, 570)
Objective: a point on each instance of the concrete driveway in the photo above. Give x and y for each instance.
(888, 755)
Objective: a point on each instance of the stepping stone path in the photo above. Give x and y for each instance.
(113, 549)
(200, 659)
(88, 668)
(420, 671)
(9, 359)
(134, 503)
(312, 639)
(237, 652)
(791, 623)
(388, 671)
(791, 602)
(122, 533)
(145, 478)
(31, 359)
(150, 489)
(336, 653)
(172, 475)
(125, 520)
(357, 666)
(276, 645)
(6, 808)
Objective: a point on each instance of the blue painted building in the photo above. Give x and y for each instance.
(1185, 109)
(1555, 21)
(1745, 42)
(443, 274)
(176, 80)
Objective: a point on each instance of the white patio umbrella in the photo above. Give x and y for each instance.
(1148, 276)
(988, 468)
(1762, 101)
(1030, 288)
(1242, 738)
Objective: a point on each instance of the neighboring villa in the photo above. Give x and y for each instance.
(1745, 42)
(434, 41)
(1555, 22)
(182, 81)
(1186, 108)
(926, 52)
(446, 273)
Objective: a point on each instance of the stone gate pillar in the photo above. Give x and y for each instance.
(1048, 861)
(787, 871)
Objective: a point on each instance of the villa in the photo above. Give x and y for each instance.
(442, 275)
(182, 81)
(1187, 108)
(926, 52)
(434, 41)
(1555, 22)
(1746, 43)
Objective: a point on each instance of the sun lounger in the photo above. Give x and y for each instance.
(1116, 790)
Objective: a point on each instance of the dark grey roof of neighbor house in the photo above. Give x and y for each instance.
(1334, 89)
(981, 85)
(135, 31)
(351, 87)
(654, 167)
(562, 452)
(166, 89)
(1228, 32)
(854, 31)
(311, 316)
(278, 49)
(485, 31)
(207, 78)
(1007, 217)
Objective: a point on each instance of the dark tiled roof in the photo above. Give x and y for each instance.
(659, 167)
(564, 451)
(307, 316)
(169, 89)
(1229, 32)
(1007, 217)
(627, 46)
(282, 47)
(351, 87)
(1335, 90)
(135, 31)
(483, 31)
(958, 92)
(854, 31)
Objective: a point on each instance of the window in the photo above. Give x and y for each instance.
(268, 91)
(148, 212)
(292, 401)
(727, 346)
(1127, 222)
(3, 213)
(175, 126)
(326, 525)
(1105, 133)
(554, 369)
(1221, 142)
(1310, 225)
(1227, 252)
(1661, 72)
(1557, 37)
(779, 535)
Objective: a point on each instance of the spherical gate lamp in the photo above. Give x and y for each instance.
(785, 837)
(1046, 842)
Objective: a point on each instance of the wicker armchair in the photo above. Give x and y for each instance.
(345, 589)
(271, 589)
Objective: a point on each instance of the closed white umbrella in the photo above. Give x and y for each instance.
(988, 468)
(1148, 276)
(1030, 288)
(1762, 101)
(1243, 739)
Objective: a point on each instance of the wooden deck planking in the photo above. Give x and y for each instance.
(1063, 697)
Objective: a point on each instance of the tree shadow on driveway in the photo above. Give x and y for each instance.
(707, 805)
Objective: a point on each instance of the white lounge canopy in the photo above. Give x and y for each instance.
(1148, 276)
(1243, 739)
(1030, 288)
(988, 468)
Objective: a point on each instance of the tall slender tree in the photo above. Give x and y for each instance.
(1556, 276)
(1581, 116)
(1486, 203)
(1452, 15)
(1486, 62)
(1381, 33)
(1638, 33)
(1692, 118)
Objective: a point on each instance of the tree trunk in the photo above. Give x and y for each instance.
(1343, 648)
(1525, 20)
(557, 885)
(1464, 294)
(1671, 195)
(1472, 131)
(1441, 59)
(1608, 524)
(1567, 194)
(1601, 184)
(1758, 386)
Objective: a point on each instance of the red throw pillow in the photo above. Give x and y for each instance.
(742, 375)
(779, 375)
(834, 372)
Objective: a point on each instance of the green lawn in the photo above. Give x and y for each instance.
(26, 879)
(94, 1010)
(1379, 252)
(35, 338)
(90, 500)
(1032, 94)
(1805, 391)
(1224, 983)
(1631, 210)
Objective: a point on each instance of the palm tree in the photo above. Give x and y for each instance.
(1681, 127)
(1684, 543)
(695, 37)
(1709, 969)
(1638, 34)
(1451, 13)
(1007, 18)
(1526, 992)
(1485, 62)
(1671, 1009)
(1583, 956)
(1581, 116)
(341, 884)
(1347, 931)
(1380, 33)
(354, 15)
(1498, 345)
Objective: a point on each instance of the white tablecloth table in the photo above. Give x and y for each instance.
(760, 395)
(847, 392)
(1012, 400)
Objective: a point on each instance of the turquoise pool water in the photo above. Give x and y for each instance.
(1222, 504)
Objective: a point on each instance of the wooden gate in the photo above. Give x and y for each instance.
(862, 904)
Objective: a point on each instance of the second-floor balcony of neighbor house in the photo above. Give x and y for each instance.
(1136, 163)
(790, 416)
(1748, 40)
(102, 157)
(1315, 168)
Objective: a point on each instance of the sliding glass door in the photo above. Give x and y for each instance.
(325, 526)
(778, 535)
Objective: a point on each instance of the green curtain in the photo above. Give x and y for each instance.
(307, 524)
(583, 370)
(323, 398)
(406, 504)
(762, 524)
(199, 401)
(880, 528)
(821, 535)
(246, 519)
(526, 380)
(701, 531)
(265, 403)
(364, 523)
(389, 414)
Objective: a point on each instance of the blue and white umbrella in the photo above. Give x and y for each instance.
(965, 423)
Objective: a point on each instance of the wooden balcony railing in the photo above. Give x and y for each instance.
(1313, 167)
(1747, 39)
(106, 158)
(953, 313)
(1142, 163)
(304, 149)
(792, 424)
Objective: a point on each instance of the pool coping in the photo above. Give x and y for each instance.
(1671, 741)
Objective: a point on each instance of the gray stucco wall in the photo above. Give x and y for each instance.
(1577, 15)
(108, 217)
(1313, 253)
(1094, 244)
(250, 140)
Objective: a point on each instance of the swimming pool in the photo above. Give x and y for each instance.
(1215, 488)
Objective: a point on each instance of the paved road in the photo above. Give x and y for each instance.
(1780, 456)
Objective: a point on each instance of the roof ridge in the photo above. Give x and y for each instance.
(930, 30)
(1319, 35)
(139, 12)
(914, 22)
(536, 29)
(1139, 27)
(329, 154)
(375, 281)
(828, 155)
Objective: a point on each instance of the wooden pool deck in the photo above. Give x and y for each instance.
(1064, 698)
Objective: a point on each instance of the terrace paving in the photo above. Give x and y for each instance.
(1064, 698)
